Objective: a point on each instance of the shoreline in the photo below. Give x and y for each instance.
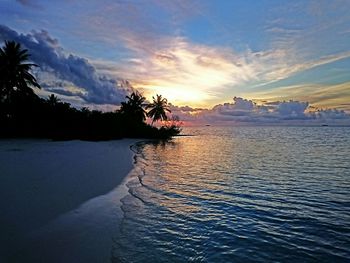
(76, 208)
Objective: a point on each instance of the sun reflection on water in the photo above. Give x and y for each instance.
(215, 196)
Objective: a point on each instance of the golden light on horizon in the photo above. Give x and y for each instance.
(178, 95)
(324, 96)
(186, 73)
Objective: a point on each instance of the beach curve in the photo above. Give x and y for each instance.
(67, 196)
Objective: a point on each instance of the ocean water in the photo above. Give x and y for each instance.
(239, 194)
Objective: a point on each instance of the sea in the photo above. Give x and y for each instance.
(239, 194)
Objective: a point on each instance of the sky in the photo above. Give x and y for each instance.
(242, 60)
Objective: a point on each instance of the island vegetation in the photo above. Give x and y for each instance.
(25, 114)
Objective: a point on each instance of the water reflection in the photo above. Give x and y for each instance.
(240, 194)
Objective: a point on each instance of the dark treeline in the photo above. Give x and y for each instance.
(24, 114)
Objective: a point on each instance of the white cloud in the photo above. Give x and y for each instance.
(199, 75)
(243, 111)
(319, 95)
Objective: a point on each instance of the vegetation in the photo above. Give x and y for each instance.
(15, 78)
(132, 109)
(24, 114)
(158, 109)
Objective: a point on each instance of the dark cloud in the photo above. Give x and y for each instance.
(46, 52)
(65, 92)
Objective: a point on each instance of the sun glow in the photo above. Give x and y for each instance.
(178, 95)
(184, 72)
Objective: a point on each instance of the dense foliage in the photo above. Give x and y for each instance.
(24, 114)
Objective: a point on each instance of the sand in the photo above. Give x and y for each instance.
(60, 201)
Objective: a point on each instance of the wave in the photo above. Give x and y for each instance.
(239, 196)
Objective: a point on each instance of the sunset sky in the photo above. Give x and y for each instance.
(195, 53)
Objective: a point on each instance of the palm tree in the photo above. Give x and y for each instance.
(15, 77)
(53, 100)
(133, 107)
(158, 107)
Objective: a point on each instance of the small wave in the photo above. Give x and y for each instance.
(247, 195)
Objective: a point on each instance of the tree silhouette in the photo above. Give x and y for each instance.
(52, 100)
(15, 77)
(133, 107)
(24, 114)
(158, 109)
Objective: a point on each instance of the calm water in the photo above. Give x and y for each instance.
(238, 195)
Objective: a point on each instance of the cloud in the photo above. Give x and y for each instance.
(29, 3)
(24, 2)
(277, 64)
(154, 49)
(240, 107)
(278, 72)
(292, 108)
(180, 50)
(319, 95)
(196, 74)
(186, 114)
(182, 71)
(243, 111)
(313, 28)
(331, 114)
(46, 52)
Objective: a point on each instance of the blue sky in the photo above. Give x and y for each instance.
(196, 53)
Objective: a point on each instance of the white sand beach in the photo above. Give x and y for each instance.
(60, 201)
